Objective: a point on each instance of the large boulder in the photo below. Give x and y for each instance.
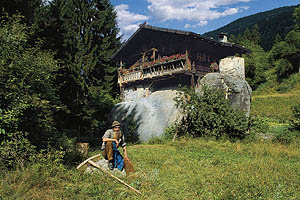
(156, 112)
(151, 114)
(238, 91)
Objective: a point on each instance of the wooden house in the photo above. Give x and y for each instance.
(156, 58)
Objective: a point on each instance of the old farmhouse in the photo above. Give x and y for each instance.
(156, 58)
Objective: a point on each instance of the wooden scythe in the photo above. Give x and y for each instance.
(89, 160)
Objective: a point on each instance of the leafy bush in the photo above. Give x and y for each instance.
(209, 114)
(259, 124)
(15, 151)
(295, 121)
(256, 64)
(171, 131)
(288, 137)
(27, 96)
(68, 147)
(283, 68)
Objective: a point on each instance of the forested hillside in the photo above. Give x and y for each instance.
(270, 23)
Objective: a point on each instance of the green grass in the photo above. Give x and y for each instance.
(277, 106)
(185, 169)
(274, 100)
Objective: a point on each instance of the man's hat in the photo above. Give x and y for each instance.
(115, 123)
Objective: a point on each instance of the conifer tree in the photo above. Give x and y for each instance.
(296, 16)
(24, 7)
(256, 34)
(247, 34)
(89, 35)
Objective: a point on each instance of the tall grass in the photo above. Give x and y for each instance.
(185, 169)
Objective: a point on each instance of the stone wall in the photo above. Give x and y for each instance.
(134, 93)
(234, 66)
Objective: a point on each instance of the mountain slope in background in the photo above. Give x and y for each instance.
(277, 21)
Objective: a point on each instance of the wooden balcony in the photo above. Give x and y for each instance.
(165, 66)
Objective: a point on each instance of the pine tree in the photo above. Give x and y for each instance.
(296, 16)
(277, 39)
(255, 35)
(247, 35)
(89, 34)
(24, 7)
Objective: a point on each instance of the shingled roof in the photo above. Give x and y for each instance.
(170, 41)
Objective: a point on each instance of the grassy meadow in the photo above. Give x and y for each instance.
(185, 169)
(276, 106)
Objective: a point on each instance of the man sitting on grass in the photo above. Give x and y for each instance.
(112, 139)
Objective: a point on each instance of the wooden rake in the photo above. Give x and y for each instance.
(92, 163)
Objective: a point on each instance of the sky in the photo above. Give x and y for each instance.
(198, 16)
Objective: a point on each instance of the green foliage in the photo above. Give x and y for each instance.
(295, 121)
(296, 16)
(285, 55)
(256, 64)
(15, 151)
(209, 114)
(132, 135)
(171, 131)
(24, 7)
(259, 124)
(287, 137)
(88, 38)
(68, 149)
(283, 68)
(27, 96)
(278, 21)
(156, 140)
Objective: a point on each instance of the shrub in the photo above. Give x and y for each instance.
(171, 131)
(68, 147)
(15, 151)
(156, 140)
(295, 121)
(209, 114)
(287, 137)
(259, 124)
(283, 69)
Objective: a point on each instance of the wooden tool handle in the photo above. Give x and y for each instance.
(103, 170)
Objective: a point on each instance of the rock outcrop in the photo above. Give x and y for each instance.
(152, 114)
(104, 164)
(238, 91)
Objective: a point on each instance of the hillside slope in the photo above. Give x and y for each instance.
(270, 23)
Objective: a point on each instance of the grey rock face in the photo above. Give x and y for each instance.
(152, 114)
(238, 91)
(104, 164)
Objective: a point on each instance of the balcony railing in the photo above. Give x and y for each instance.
(164, 66)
